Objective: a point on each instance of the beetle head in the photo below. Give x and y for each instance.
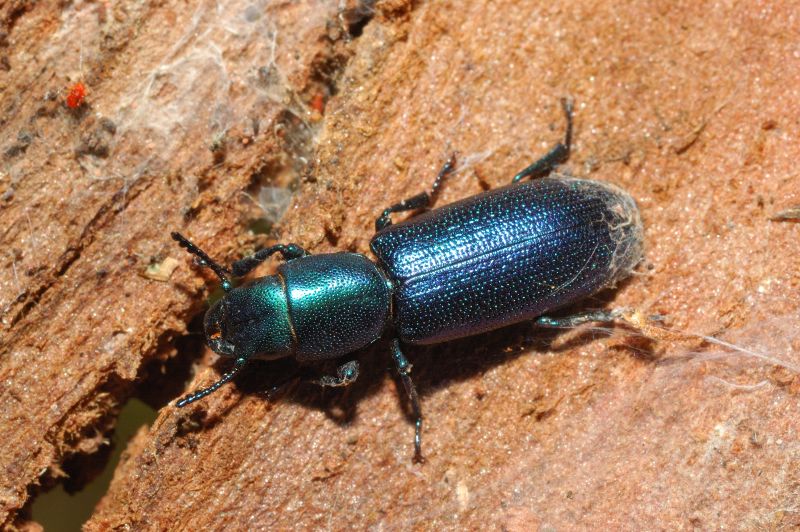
(251, 321)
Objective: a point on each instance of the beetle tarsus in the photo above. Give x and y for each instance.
(422, 200)
(404, 370)
(346, 374)
(557, 155)
(191, 398)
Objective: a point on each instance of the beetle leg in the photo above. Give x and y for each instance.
(421, 200)
(346, 374)
(289, 252)
(404, 370)
(557, 155)
(568, 322)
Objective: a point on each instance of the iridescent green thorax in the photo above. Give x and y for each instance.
(338, 303)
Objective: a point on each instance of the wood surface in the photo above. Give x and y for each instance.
(192, 108)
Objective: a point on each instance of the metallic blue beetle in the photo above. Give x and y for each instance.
(494, 259)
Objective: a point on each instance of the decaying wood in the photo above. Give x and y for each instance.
(191, 109)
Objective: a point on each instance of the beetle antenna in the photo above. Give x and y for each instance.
(205, 260)
(191, 398)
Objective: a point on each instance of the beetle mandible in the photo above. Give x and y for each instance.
(504, 256)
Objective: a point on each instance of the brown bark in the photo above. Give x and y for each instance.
(691, 107)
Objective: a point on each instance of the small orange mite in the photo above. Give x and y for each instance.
(318, 103)
(76, 95)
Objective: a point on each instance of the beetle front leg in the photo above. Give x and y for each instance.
(346, 374)
(404, 370)
(421, 200)
(557, 155)
(289, 251)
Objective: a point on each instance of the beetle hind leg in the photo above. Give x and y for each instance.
(568, 322)
(557, 155)
(631, 317)
(648, 325)
(404, 370)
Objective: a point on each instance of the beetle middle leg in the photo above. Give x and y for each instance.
(289, 251)
(557, 155)
(346, 374)
(404, 370)
(421, 200)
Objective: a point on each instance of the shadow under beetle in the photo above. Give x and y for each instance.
(490, 260)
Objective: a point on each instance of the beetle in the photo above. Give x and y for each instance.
(494, 259)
